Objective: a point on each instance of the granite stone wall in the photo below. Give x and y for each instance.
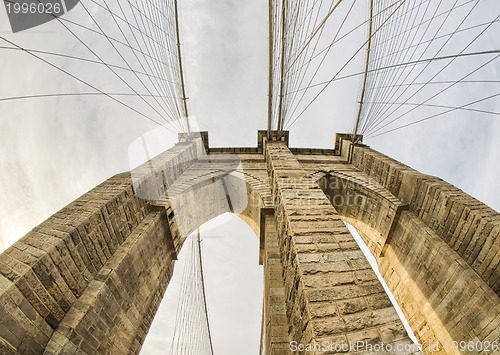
(90, 278)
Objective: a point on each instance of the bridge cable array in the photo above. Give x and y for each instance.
(424, 59)
(192, 335)
(137, 43)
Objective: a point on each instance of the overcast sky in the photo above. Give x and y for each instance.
(52, 150)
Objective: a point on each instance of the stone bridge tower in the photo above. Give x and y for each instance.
(90, 278)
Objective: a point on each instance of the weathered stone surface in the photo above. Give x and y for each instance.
(323, 278)
(463, 222)
(46, 271)
(90, 278)
(275, 325)
(114, 312)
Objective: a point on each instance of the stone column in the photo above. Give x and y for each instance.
(333, 297)
(276, 339)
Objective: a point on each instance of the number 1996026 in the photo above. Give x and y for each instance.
(33, 8)
(485, 346)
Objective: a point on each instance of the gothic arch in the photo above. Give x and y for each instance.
(435, 288)
(364, 204)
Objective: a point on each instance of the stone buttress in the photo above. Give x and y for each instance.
(90, 278)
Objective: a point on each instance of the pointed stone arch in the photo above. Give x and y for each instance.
(442, 298)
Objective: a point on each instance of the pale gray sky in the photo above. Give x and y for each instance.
(52, 150)
(233, 285)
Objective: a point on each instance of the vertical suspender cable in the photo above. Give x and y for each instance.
(271, 74)
(282, 79)
(363, 90)
(204, 295)
(183, 87)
